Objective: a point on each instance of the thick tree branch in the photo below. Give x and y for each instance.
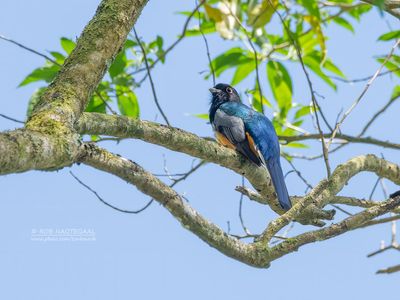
(22, 150)
(326, 189)
(179, 140)
(348, 224)
(257, 254)
(166, 196)
(101, 40)
(49, 140)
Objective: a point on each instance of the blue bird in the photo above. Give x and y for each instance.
(241, 128)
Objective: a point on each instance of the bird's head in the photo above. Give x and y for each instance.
(223, 93)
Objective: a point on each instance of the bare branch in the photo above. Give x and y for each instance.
(207, 48)
(344, 137)
(179, 140)
(389, 270)
(369, 83)
(363, 78)
(256, 254)
(151, 78)
(174, 44)
(320, 194)
(186, 215)
(378, 113)
(28, 49)
(11, 119)
(105, 202)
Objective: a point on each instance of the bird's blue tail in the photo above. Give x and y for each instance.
(275, 170)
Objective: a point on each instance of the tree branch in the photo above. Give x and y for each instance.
(147, 183)
(101, 40)
(389, 270)
(181, 141)
(391, 6)
(49, 140)
(344, 137)
(256, 254)
(22, 150)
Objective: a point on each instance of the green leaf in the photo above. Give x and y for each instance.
(312, 7)
(390, 36)
(202, 116)
(396, 92)
(213, 13)
(242, 72)
(224, 21)
(359, 10)
(207, 27)
(130, 43)
(302, 111)
(314, 63)
(59, 58)
(34, 100)
(330, 66)
(281, 86)
(127, 102)
(344, 23)
(118, 65)
(256, 102)
(395, 68)
(297, 145)
(231, 58)
(96, 104)
(308, 43)
(46, 74)
(67, 44)
(260, 14)
(316, 26)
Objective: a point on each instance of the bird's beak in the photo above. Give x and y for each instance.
(214, 90)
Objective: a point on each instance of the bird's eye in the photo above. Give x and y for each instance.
(229, 90)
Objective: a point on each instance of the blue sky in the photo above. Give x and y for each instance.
(150, 256)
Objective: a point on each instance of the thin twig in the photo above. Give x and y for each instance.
(150, 78)
(54, 62)
(382, 221)
(363, 78)
(187, 174)
(310, 85)
(255, 54)
(378, 113)
(108, 204)
(389, 270)
(344, 137)
(172, 46)
(374, 188)
(29, 49)
(105, 103)
(11, 119)
(369, 83)
(240, 212)
(207, 48)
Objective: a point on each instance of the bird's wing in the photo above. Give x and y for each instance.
(230, 131)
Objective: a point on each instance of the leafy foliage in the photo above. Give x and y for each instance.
(253, 22)
(118, 84)
(249, 25)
